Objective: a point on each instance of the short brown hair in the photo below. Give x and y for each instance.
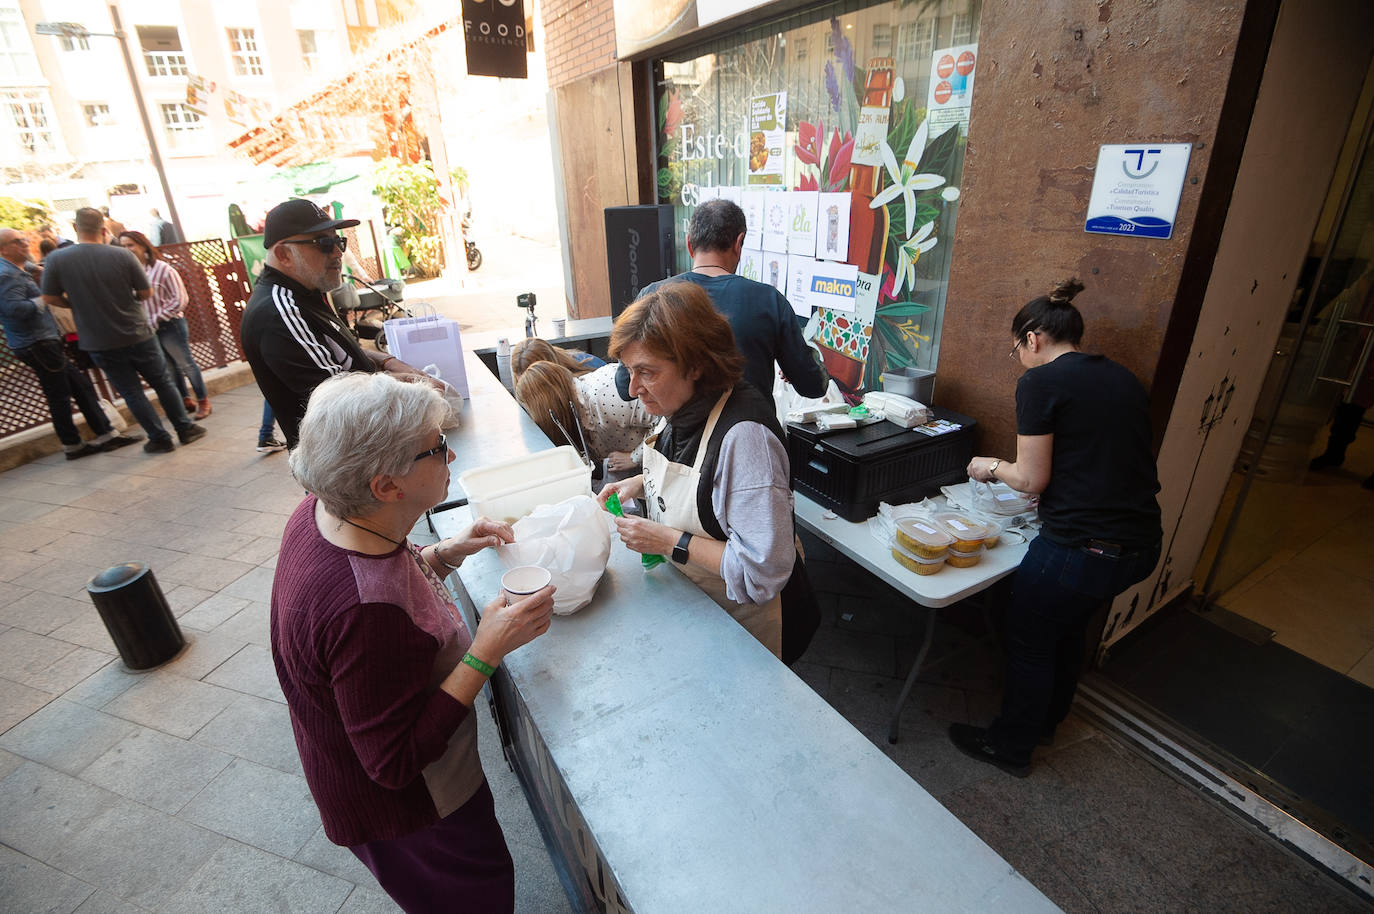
(678, 322)
(89, 220)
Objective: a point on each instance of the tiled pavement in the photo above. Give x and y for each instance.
(180, 790)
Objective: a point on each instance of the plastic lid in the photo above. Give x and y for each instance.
(968, 555)
(116, 576)
(924, 532)
(961, 526)
(898, 547)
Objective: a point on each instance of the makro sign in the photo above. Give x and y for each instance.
(494, 37)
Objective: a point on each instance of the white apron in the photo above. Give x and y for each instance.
(670, 491)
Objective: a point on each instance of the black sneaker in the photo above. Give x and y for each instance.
(973, 742)
(270, 445)
(86, 450)
(164, 446)
(117, 442)
(191, 433)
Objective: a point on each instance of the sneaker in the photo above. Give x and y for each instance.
(191, 433)
(117, 442)
(270, 445)
(973, 742)
(86, 450)
(163, 446)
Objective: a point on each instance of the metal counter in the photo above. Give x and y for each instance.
(676, 765)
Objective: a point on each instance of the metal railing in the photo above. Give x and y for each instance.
(217, 288)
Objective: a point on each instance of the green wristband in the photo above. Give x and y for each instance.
(486, 669)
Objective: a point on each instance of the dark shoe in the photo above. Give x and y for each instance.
(192, 433)
(85, 450)
(1326, 460)
(270, 445)
(118, 441)
(973, 742)
(164, 446)
(1368, 483)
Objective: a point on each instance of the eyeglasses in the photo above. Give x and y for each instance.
(1020, 340)
(442, 448)
(325, 244)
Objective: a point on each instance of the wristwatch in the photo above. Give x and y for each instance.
(680, 550)
(992, 469)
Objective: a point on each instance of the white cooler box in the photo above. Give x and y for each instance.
(509, 490)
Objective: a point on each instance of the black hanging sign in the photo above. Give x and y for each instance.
(494, 31)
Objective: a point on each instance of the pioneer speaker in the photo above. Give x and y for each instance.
(639, 250)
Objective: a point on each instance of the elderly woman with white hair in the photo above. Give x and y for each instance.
(377, 665)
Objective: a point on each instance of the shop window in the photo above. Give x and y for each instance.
(243, 48)
(97, 115)
(881, 91)
(162, 51)
(182, 125)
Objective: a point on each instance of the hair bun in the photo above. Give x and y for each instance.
(1065, 291)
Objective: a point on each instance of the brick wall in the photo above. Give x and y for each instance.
(579, 38)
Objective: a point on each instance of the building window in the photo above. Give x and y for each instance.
(16, 53)
(800, 48)
(162, 51)
(29, 121)
(882, 40)
(916, 41)
(97, 115)
(183, 126)
(962, 32)
(243, 47)
(310, 50)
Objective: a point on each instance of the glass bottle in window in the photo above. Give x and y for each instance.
(868, 226)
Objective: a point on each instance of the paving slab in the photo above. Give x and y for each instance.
(242, 878)
(155, 769)
(66, 736)
(257, 805)
(255, 729)
(30, 886)
(170, 703)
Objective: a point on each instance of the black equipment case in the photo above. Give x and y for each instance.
(851, 470)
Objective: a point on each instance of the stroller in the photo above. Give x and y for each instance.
(365, 310)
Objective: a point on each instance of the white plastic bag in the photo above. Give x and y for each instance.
(113, 416)
(572, 539)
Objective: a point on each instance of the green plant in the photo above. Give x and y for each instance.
(459, 176)
(410, 195)
(24, 214)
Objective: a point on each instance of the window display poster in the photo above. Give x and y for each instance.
(1136, 189)
(751, 265)
(751, 201)
(821, 284)
(707, 193)
(773, 270)
(801, 222)
(951, 87)
(832, 226)
(767, 138)
(775, 222)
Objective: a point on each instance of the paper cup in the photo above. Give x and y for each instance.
(522, 581)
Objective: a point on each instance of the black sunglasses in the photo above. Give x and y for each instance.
(325, 244)
(442, 448)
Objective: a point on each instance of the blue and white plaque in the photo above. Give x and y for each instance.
(1136, 189)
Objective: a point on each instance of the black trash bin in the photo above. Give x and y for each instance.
(136, 615)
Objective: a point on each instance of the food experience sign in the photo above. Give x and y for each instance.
(1136, 189)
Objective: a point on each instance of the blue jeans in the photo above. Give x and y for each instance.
(175, 339)
(125, 365)
(63, 382)
(1056, 591)
(268, 420)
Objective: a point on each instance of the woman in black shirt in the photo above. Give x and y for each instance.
(1083, 444)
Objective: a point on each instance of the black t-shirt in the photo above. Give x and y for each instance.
(293, 339)
(1103, 479)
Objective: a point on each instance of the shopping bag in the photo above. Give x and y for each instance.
(572, 539)
(429, 339)
(116, 420)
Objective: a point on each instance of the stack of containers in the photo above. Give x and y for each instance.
(920, 545)
(969, 536)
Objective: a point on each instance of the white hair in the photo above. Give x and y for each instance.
(358, 426)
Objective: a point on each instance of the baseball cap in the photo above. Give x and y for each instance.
(298, 217)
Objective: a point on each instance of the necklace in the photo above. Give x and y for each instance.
(370, 530)
(716, 266)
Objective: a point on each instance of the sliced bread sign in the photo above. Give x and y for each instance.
(1136, 189)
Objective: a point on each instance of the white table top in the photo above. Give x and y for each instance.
(948, 585)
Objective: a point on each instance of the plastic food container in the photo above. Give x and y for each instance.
(917, 563)
(995, 529)
(958, 558)
(915, 383)
(922, 538)
(509, 490)
(968, 533)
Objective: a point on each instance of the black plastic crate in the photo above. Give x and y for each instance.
(852, 470)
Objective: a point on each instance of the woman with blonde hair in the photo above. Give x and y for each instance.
(613, 429)
(530, 350)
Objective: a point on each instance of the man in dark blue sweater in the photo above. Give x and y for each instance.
(766, 328)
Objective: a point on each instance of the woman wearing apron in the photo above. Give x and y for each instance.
(715, 478)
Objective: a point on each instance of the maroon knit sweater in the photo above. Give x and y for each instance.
(360, 643)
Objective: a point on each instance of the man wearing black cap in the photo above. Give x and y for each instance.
(292, 337)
